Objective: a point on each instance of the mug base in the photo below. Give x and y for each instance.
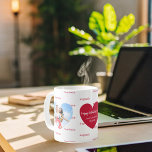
(83, 141)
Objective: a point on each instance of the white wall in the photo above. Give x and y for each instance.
(7, 43)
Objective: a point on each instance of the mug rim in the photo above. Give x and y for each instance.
(75, 88)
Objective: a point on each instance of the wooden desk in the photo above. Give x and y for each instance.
(23, 129)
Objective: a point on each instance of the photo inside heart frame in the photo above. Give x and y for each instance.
(63, 114)
(89, 114)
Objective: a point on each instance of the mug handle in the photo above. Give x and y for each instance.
(46, 111)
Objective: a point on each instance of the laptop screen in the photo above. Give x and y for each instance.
(131, 84)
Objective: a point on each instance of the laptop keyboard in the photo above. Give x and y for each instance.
(116, 112)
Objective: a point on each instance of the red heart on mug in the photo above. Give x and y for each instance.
(89, 114)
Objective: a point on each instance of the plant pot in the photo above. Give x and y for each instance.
(104, 80)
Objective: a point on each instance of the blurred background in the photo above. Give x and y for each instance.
(38, 30)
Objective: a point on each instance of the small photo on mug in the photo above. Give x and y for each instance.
(63, 114)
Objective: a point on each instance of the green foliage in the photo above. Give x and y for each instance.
(96, 22)
(107, 149)
(106, 37)
(107, 41)
(135, 32)
(86, 50)
(110, 17)
(125, 24)
(80, 33)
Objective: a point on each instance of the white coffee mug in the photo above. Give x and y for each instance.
(75, 113)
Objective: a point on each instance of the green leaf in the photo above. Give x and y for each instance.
(96, 22)
(86, 50)
(106, 51)
(90, 51)
(110, 17)
(135, 32)
(80, 33)
(125, 24)
(96, 43)
(137, 45)
(84, 42)
(106, 37)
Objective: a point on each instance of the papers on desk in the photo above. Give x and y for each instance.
(30, 99)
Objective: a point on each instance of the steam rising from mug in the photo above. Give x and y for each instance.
(83, 72)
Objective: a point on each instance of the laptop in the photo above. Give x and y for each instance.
(142, 146)
(129, 96)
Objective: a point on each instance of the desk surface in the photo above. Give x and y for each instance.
(23, 129)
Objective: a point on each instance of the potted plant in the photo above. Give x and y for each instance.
(109, 36)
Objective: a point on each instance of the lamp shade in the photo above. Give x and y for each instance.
(15, 4)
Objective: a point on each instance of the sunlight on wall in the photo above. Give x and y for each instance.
(7, 42)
